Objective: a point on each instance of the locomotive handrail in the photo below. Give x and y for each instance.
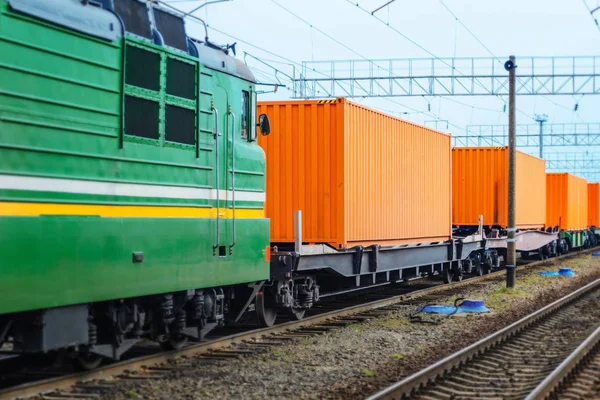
(232, 178)
(216, 136)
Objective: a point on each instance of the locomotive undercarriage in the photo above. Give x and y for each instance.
(89, 333)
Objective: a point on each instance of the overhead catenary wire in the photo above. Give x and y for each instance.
(495, 57)
(592, 13)
(347, 48)
(469, 31)
(294, 63)
(425, 49)
(291, 61)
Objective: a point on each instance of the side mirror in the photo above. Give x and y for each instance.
(264, 124)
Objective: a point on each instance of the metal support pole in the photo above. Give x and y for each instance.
(541, 139)
(541, 119)
(511, 254)
(298, 231)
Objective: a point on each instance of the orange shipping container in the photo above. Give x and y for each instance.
(359, 176)
(480, 187)
(594, 204)
(567, 201)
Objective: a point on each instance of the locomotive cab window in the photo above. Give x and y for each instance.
(253, 128)
(245, 113)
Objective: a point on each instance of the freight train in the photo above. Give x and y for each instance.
(551, 208)
(138, 200)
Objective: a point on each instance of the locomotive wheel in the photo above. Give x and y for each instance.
(267, 313)
(478, 269)
(297, 313)
(87, 361)
(174, 343)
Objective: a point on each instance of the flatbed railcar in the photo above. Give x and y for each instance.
(567, 210)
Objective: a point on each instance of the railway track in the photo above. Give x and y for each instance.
(532, 358)
(577, 377)
(331, 315)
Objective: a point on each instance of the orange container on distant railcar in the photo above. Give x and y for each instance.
(567, 201)
(480, 187)
(594, 204)
(359, 176)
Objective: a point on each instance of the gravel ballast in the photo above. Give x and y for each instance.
(358, 360)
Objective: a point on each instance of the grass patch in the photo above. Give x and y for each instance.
(511, 291)
(394, 323)
(367, 372)
(397, 356)
(132, 393)
(357, 327)
(502, 298)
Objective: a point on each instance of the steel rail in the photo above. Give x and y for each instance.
(567, 368)
(114, 369)
(409, 385)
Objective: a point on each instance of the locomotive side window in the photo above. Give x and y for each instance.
(180, 125)
(180, 79)
(160, 97)
(180, 118)
(141, 117)
(142, 68)
(245, 113)
(252, 122)
(142, 89)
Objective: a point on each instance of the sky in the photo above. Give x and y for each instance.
(269, 31)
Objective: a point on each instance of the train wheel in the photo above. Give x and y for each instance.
(457, 274)
(447, 275)
(296, 313)
(478, 269)
(174, 343)
(87, 361)
(265, 309)
(544, 253)
(487, 269)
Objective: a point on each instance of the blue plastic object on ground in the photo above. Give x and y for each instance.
(473, 306)
(437, 309)
(562, 271)
(565, 272)
(467, 306)
(548, 273)
(596, 254)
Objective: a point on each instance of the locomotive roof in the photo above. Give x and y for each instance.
(146, 20)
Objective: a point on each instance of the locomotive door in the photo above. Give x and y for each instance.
(220, 165)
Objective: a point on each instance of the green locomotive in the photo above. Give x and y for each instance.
(132, 188)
